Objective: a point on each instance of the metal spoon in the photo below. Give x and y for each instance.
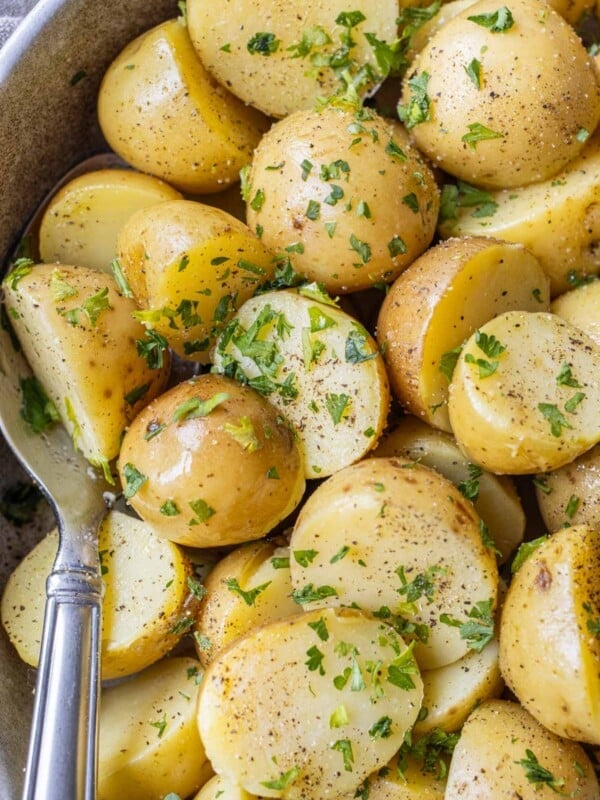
(61, 764)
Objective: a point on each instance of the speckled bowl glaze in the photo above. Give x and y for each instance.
(50, 71)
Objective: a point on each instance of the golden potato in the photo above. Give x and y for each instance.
(581, 307)
(504, 753)
(549, 634)
(340, 691)
(83, 219)
(284, 57)
(83, 344)
(345, 193)
(398, 540)
(148, 739)
(162, 112)
(211, 463)
(248, 587)
(146, 604)
(438, 302)
(570, 495)
(558, 220)
(217, 788)
(524, 395)
(189, 267)
(490, 100)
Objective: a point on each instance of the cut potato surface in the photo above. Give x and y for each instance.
(524, 395)
(549, 642)
(82, 222)
(218, 788)
(399, 541)
(340, 692)
(558, 220)
(570, 495)
(163, 113)
(211, 463)
(581, 307)
(279, 60)
(345, 193)
(402, 779)
(148, 739)
(317, 365)
(189, 267)
(494, 496)
(248, 587)
(145, 600)
(438, 302)
(504, 753)
(80, 339)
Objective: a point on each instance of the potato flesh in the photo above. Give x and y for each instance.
(570, 495)
(82, 222)
(148, 740)
(549, 655)
(581, 307)
(514, 420)
(375, 517)
(139, 613)
(341, 401)
(439, 301)
(294, 723)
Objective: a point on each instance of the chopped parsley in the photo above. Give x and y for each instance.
(479, 133)
(152, 348)
(498, 21)
(469, 488)
(417, 109)
(525, 550)
(197, 407)
(134, 480)
(311, 594)
(473, 70)
(202, 511)
(283, 781)
(337, 405)
(478, 630)
(38, 411)
(170, 509)
(263, 44)
(344, 746)
(249, 596)
(555, 417)
(448, 362)
(539, 775)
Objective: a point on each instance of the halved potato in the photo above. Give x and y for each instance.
(503, 753)
(494, 496)
(438, 302)
(211, 463)
(550, 634)
(570, 495)
(524, 395)
(581, 307)
(399, 541)
(558, 220)
(146, 606)
(248, 587)
(402, 779)
(189, 267)
(149, 743)
(81, 223)
(83, 344)
(218, 788)
(163, 113)
(339, 693)
(317, 365)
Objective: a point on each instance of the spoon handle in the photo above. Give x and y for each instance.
(62, 751)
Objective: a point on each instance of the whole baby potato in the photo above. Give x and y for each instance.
(345, 193)
(211, 463)
(502, 96)
(162, 112)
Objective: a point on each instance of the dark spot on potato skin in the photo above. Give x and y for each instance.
(543, 580)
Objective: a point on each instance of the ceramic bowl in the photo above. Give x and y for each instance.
(50, 71)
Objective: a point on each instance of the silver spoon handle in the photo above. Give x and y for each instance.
(62, 750)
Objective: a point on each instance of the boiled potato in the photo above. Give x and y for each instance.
(339, 693)
(549, 634)
(438, 302)
(287, 56)
(445, 13)
(402, 779)
(345, 193)
(146, 604)
(524, 395)
(451, 692)
(148, 739)
(211, 463)
(502, 97)
(248, 587)
(83, 219)
(399, 541)
(558, 219)
(504, 753)
(83, 344)
(189, 266)
(317, 365)
(162, 112)
(217, 788)
(570, 495)
(494, 496)
(581, 307)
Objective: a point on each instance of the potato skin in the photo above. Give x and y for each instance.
(570, 495)
(348, 192)
(223, 478)
(539, 108)
(162, 112)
